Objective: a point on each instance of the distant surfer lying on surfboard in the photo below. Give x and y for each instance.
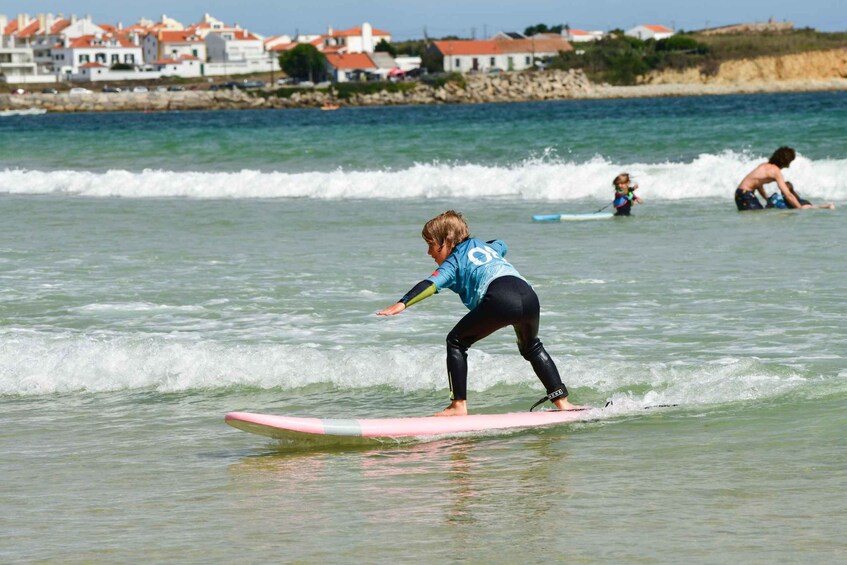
(496, 295)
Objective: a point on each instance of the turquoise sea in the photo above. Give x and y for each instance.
(160, 270)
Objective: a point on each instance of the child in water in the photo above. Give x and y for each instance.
(776, 200)
(624, 194)
(496, 295)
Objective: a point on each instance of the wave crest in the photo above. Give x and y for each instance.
(548, 178)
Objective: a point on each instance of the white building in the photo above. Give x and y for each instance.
(185, 66)
(645, 32)
(38, 36)
(234, 47)
(108, 50)
(506, 55)
(17, 65)
(173, 45)
(581, 36)
(361, 39)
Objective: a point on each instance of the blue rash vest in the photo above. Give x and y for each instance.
(471, 267)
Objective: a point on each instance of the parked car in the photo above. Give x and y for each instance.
(79, 90)
(252, 84)
(305, 83)
(283, 81)
(140, 89)
(49, 91)
(113, 89)
(161, 88)
(176, 88)
(20, 91)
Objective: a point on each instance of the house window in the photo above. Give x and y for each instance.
(116, 58)
(83, 58)
(458, 63)
(100, 57)
(527, 60)
(194, 52)
(492, 62)
(129, 58)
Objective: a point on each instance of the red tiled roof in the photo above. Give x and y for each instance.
(502, 46)
(355, 31)
(659, 29)
(87, 40)
(59, 25)
(239, 34)
(29, 30)
(92, 66)
(350, 61)
(178, 37)
(283, 47)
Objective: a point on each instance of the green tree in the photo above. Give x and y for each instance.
(385, 47)
(304, 62)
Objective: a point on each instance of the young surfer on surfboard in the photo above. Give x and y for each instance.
(496, 295)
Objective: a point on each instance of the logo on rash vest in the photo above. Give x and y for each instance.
(434, 273)
(481, 255)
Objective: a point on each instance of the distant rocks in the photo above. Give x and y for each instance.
(788, 73)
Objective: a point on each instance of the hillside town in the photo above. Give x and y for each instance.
(48, 48)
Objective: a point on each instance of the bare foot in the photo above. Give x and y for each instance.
(456, 408)
(564, 404)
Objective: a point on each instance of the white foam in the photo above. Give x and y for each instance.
(34, 364)
(546, 178)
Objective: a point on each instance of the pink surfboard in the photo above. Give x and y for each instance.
(293, 427)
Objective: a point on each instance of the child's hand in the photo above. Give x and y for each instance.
(392, 310)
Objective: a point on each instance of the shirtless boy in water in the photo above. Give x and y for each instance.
(745, 197)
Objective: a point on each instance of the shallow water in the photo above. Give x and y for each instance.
(134, 316)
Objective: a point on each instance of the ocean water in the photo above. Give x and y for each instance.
(161, 270)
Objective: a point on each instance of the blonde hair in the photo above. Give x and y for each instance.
(449, 227)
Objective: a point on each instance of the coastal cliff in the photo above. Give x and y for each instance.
(810, 66)
(820, 70)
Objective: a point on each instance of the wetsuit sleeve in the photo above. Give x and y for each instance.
(423, 289)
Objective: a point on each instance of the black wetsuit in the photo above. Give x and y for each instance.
(508, 300)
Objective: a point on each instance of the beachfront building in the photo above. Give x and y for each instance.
(106, 49)
(498, 54)
(346, 67)
(645, 32)
(17, 64)
(185, 66)
(581, 36)
(173, 45)
(31, 40)
(237, 52)
(361, 39)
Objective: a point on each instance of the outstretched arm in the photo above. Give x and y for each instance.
(423, 289)
(786, 193)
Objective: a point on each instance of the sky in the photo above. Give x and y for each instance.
(411, 19)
